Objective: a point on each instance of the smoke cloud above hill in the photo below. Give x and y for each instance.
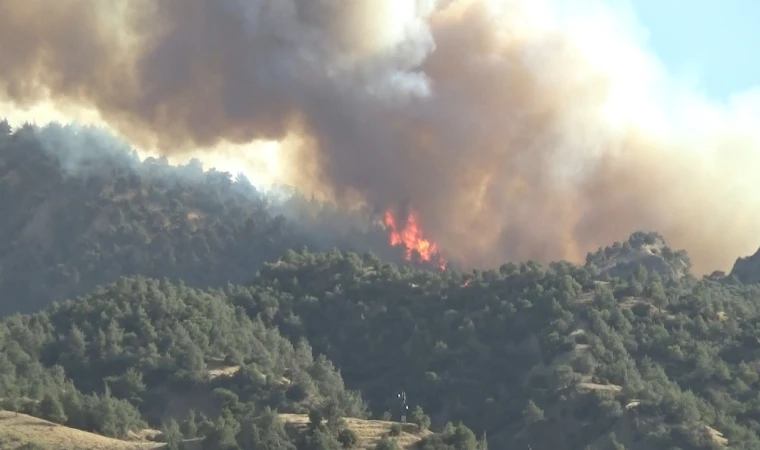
(515, 129)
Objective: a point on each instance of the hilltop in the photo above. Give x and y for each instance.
(641, 249)
(747, 269)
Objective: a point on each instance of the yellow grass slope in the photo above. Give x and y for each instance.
(17, 430)
(368, 431)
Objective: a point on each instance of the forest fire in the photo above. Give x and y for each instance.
(411, 238)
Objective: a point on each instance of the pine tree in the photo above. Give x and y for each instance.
(190, 425)
(532, 413)
(51, 409)
(172, 435)
(419, 417)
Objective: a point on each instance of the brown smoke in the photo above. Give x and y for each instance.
(513, 131)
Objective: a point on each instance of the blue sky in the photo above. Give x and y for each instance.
(715, 41)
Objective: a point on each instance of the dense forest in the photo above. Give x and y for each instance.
(80, 209)
(141, 295)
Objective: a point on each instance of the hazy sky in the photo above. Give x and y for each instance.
(714, 43)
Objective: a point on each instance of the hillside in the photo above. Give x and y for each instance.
(80, 209)
(173, 299)
(368, 432)
(17, 430)
(646, 360)
(550, 337)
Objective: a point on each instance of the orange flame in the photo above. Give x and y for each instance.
(411, 238)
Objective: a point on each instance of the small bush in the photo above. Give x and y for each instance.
(386, 444)
(347, 438)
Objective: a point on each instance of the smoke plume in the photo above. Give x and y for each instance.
(514, 129)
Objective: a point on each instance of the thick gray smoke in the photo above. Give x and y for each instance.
(515, 129)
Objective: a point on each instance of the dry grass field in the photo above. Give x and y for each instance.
(19, 431)
(368, 431)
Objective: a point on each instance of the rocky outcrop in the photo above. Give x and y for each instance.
(646, 249)
(747, 269)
